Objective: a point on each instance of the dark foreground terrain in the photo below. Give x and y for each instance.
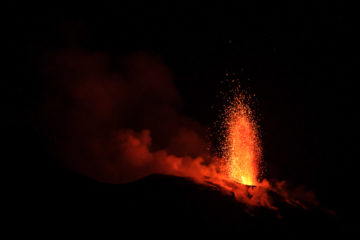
(159, 204)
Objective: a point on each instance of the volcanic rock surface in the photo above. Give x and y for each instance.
(162, 203)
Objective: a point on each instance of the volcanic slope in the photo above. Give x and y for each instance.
(169, 203)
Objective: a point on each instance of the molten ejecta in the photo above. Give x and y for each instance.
(242, 147)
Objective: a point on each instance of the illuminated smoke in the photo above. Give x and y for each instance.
(118, 120)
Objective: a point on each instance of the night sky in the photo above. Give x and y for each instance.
(297, 58)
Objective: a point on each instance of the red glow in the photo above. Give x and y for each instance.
(95, 133)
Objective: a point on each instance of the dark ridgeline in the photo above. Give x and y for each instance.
(160, 203)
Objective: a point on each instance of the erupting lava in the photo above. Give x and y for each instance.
(242, 146)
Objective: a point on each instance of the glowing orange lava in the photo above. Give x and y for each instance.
(242, 150)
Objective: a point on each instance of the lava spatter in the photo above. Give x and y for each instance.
(242, 149)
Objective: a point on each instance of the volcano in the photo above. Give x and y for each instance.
(159, 203)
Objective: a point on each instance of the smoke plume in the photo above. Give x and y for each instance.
(118, 119)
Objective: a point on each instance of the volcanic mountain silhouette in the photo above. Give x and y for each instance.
(160, 203)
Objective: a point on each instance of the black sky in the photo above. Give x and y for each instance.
(298, 58)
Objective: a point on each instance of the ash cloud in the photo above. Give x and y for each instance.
(118, 119)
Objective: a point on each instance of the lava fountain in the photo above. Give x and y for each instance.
(242, 148)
